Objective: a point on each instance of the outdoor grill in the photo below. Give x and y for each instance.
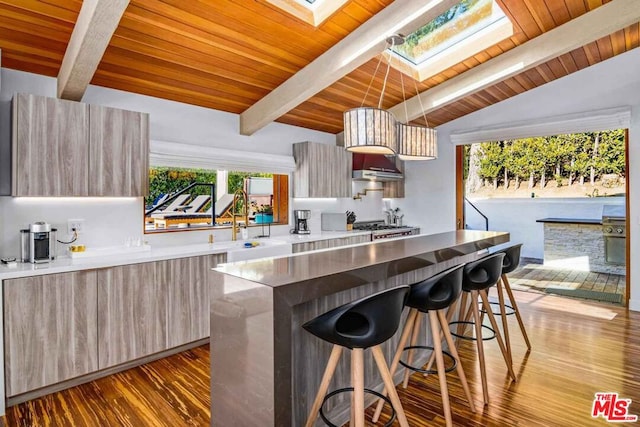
(614, 231)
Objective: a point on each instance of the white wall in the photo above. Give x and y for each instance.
(518, 217)
(108, 222)
(609, 84)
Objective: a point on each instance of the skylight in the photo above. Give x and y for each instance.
(464, 30)
(313, 12)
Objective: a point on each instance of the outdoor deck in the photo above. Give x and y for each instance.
(535, 277)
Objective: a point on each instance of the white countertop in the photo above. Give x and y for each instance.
(65, 264)
(323, 235)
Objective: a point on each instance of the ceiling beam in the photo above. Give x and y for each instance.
(367, 41)
(97, 21)
(601, 22)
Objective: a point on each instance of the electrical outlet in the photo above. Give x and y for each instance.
(78, 224)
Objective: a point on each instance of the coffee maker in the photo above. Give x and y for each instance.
(301, 218)
(38, 243)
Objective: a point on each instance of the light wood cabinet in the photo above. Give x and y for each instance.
(330, 243)
(50, 329)
(66, 148)
(151, 307)
(50, 146)
(322, 170)
(118, 152)
(131, 313)
(187, 300)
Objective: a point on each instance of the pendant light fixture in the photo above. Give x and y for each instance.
(376, 131)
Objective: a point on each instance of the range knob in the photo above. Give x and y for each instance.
(608, 229)
(619, 230)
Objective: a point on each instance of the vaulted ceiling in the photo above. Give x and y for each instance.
(229, 54)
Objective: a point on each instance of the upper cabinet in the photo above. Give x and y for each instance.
(118, 152)
(66, 148)
(50, 147)
(322, 170)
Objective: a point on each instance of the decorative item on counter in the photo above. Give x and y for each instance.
(10, 262)
(264, 214)
(351, 218)
(77, 248)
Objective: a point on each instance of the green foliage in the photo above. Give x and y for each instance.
(166, 180)
(559, 156)
(490, 160)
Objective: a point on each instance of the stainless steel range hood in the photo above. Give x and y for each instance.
(374, 167)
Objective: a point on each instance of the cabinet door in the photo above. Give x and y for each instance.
(50, 329)
(187, 298)
(131, 313)
(119, 152)
(322, 170)
(50, 147)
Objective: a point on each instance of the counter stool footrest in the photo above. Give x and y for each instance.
(454, 362)
(469, 337)
(509, 310)
(350, 389)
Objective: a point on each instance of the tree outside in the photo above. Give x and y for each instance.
(576, 165)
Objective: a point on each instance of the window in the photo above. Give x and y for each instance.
(313, 12)
(181, 198)
(461, 32)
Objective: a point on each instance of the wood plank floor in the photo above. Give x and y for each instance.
(579, 348)
(537, 277)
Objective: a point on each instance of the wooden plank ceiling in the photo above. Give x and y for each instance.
(228, 54)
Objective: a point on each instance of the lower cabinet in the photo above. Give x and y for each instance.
(151, 307)
(330, 243)
(187, 298)
(50, 329)
(132, 318)
(61, 326)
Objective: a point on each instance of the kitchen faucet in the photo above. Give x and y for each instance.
(239, 196)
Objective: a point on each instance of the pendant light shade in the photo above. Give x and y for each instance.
(370, 130)
(416, 142)
(376, 131)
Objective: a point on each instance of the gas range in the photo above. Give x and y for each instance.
(380, 230)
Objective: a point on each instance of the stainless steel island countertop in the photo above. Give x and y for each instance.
(264, 367)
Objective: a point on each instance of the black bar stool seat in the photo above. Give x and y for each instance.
(432, 297)
(479, 276)
(510, 262)
(365, 323)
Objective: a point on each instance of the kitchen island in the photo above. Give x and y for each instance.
(264, 368)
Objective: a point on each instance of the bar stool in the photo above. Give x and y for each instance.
(478, 277)
(433, 296)
(365, 323)
(509, 264)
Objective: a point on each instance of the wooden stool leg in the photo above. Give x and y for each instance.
(352, 422)
(432, 359)
(444, 324)
(507, 286)
(505, 325)
(388, 382)
(414, 340)
(334, 358)
(480, 346)
(461, 315)
(442, 376)
(412, 318)
(494, 325)
(357, 365)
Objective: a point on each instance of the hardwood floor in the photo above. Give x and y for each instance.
(579, 348)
